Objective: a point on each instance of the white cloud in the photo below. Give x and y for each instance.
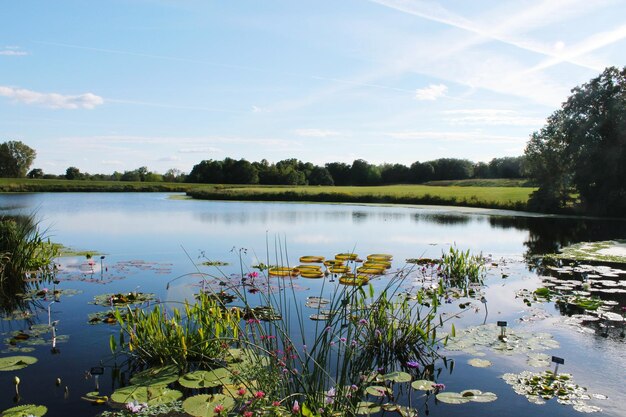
(12, 51)
(51, 100)
(172, 158)
(111, 162)
(200, 149)
(316, 133)
(432, 92)
(491, 117)
(470, 137)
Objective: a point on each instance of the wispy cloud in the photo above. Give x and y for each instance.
(200, 149)
(432, 92)
(491, 117)
(12, 51)
(316, 133)
(470, 137)
(51, 100)
(111, 162)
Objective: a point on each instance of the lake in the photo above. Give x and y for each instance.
(152, 242)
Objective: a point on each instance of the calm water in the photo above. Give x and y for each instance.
(151, 239)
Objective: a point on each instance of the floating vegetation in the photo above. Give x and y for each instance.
(422, 261)
(25, 410)
(151, 395)
(163, 375)
(316, 302)
(479, 363)
(472, 339)
(613, 251)
(106, 317)
(346, 256)
(215, 263)
(34, 336)
(263, 313)
(13, 363)
(65, 252)
(206, 379)
(45, 293)
(283, 271)
(173, 408)
(123, 299)
(541, 387)
(69, 269)
(538, 360)
(339, 269)
(380, 257)
(470, 395)
(370, 270)
(95, 398)
(312, 259)
(352, 279)
(208, 405)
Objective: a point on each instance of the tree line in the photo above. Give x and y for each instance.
(360, 172)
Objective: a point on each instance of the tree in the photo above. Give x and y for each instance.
(72, 173)
(582, 148)
(320, 176)
(15, 159)
(35, 173)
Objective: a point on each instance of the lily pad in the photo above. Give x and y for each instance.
(423, 385)
(205, 405)
(206, 379)
(152, 395)
(397, 377)
(367, 408)
(13, 363)
(25, 411)
(478, 396)
(453, 398)
(479, 363)
(377, 390)
(156, 376)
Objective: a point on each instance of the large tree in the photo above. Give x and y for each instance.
(15, 159)
(582, 148)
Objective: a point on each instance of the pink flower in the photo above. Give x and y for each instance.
(276, 403)
(218, 409)
(259, 394)
(253, 274)
(247, 414)
(241, 391)
(296, 407)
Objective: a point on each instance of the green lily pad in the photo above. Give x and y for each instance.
(206, 379)
(377, 390)
(478, 396)
(156, 376)
(367, 408)
(25, 411)
(423, 385)
(152, 395)
(479, 363)
(204, 405)
(453, 398)
(398, 377)
(13, 363)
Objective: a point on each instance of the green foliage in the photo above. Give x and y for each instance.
(463, 268)
(582, 147)
(201, 333)
(23, 249)
(15, 159)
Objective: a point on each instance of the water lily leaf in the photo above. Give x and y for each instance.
(453, 398)
(397, 377)
(25, 410)
(205, 379)
(367, 408)
(204, 405)
(422, 385)
(479, 363)
(479, 396)
(377, 390)
(152, 395)
(156, 376)
(13, 363)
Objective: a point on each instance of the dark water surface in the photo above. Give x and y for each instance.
(151, 239)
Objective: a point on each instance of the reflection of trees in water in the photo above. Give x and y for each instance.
(443, 218)
(550, 234)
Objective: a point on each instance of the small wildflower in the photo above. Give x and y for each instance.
(218, 409)
(412, 364)
(259, 394)
(353, 343)
(327, 329)
(362, 321)
(296, 407)
(241, 391)
(253, 274)
(377, 333)
(343, 339)
(439, 387)
(247, 414)
(330, 395)
(276, 403)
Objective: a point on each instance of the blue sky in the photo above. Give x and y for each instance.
(115, 85)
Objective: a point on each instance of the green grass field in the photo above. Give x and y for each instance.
(40, 185)
(514, 198)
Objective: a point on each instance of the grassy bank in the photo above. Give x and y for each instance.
(513, 198)
(40, 185)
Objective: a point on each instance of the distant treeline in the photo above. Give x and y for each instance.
(360, 172)
(295, 172)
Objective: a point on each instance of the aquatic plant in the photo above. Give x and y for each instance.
(462, 267)
(201, 333)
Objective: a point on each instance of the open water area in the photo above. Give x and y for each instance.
(154, 243)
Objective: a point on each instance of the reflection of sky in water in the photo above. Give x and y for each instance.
(152, 228)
